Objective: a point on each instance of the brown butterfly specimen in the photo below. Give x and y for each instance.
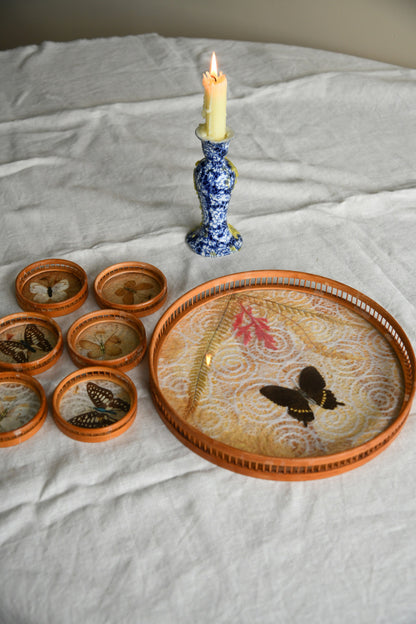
(311, 388)
(34, 340)
(132, 292)
(101, 348)
(106, 408)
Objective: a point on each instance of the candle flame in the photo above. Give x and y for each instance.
(213, 70)
(208, 358)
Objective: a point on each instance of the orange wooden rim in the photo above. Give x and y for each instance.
(47, 266)
(16, 436)
(124, 363)
(278, 468)
(50, 358)
(101, 434)
(140, 309)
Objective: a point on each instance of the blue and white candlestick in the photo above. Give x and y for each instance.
(214, 180)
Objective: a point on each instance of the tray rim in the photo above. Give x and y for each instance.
(264, 466)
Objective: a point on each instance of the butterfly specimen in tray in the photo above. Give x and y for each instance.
(311, 388)
(106, 408)
(132, 292)
(34, 340)
(100, 348)
(51, 291)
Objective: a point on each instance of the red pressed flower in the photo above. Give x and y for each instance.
(258, 325)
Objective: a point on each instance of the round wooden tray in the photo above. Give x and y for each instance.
(53, 287)
(281, 375)
(135, 287)
(29, 342)
(107, 337)
(23, 408)
(94, 404)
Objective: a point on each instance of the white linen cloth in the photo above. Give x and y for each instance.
(97, 150)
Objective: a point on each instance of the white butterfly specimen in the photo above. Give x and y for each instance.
(50, 292)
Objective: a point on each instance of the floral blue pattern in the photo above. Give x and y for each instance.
(214, 180)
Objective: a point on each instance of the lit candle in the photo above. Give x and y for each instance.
(215, 103)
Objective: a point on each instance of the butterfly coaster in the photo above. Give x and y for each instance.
(53, 287)
(95, 404)
(29, 342)
(134, 287)
(23, 408)
(107, 337)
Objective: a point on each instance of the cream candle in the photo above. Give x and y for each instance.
(215, 103)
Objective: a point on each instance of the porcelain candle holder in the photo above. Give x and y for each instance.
(214, 179)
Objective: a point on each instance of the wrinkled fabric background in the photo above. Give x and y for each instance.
(97, 149)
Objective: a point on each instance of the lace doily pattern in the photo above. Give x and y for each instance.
(215, 360)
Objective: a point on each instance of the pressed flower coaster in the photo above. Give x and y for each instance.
(107, 337)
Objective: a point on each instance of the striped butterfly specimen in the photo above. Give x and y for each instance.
(51, 291)
(33, 341)
(311, 388)
(100, 348)
(106, 408)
